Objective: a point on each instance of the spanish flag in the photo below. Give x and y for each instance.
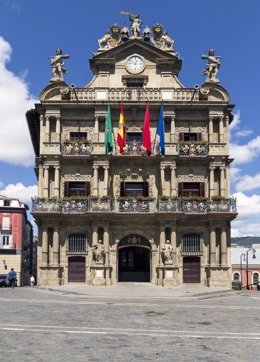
(121, 130)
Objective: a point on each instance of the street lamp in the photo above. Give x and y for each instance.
(241, 269)
(253, 253)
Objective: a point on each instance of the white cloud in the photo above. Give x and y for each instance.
(247, 183)
(245, 153)
(20, 191)
(248, 221)
(244, 133)
(15, 143)
(235, 122)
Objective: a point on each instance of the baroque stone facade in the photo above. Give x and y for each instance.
(109, 218)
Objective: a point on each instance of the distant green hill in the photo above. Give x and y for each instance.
(246, 241)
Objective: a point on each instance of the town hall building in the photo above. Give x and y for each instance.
(133, 169)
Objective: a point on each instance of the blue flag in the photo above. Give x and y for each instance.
(160, 132)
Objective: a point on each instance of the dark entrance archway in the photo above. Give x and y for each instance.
(77, 269)
(134, 254)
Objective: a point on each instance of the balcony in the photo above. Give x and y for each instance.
(132, 205)
(133, 94)
(189, 149)
(76, 148)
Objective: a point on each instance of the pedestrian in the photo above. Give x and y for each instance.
(32, 280)
(12, 278)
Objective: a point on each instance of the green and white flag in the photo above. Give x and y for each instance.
(108, 132)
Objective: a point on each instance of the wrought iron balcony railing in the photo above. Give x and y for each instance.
(76, 148)
(193, 149)
(129, 205)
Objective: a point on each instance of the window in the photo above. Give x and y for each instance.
(191, 244)
(134, 189)
(78, 136)
(189, 137)
(76, 189)
(77, 243)
(236, 277)
(6, 202)
(6, 240)
(188, 189)
(255, 278)
(134, 137)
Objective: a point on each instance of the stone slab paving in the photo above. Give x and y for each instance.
(129, 323)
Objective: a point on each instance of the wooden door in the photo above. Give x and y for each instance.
(191, 269)
(77, 269)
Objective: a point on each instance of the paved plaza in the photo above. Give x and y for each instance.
(129, 322)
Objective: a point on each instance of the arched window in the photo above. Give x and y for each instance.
(255, 278)
(236, 277)
(77, 243)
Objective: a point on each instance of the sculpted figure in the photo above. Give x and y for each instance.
(136, 24)
(212, 67)
(98, 251)
(167, 251)
(104, 41)
(58, 65)
(168, 42)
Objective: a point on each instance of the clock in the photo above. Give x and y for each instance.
(135, 64)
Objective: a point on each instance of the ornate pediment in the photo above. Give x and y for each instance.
(214, 92)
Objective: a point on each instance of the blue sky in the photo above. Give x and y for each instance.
(31, 30)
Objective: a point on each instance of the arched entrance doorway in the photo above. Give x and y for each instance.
(134, 259)
(77, 269)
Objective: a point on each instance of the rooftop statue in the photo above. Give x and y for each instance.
(58, 65)
(212, 67)
(135, 23)
(111, 38)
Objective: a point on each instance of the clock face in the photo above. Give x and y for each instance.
(135, 64)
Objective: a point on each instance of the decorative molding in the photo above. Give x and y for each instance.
(191, 178)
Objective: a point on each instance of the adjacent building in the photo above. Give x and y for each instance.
(15, 239)
(152, 211)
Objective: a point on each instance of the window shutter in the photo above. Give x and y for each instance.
(66, 189)
(87, 188)
(198, 136)
(146, 189)
(181, 136)
(122, 188)
(202, 189)
(180, 188)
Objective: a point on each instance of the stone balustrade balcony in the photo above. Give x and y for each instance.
(132, 205)
(133, 94)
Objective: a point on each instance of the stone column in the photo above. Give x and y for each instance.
(56, 245)
(96, 128)
(174, 244)
(163, 179)
(222, 181)
(211, 181)
(40, 179)
(212, 246)
(95, 181)
(58, 128)
(173, 131)
(223, 246)
(210, 129)
(106, 244)
(47, 129)
(94, 235)
(221, 129)
(228, 181)
(162, 240)
(44, 246)
(46, 182)
(106, 168)
(173, 180)
(57, 182)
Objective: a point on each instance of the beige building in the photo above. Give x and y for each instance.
(109, 218)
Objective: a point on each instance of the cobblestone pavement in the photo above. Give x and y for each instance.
(129, 323)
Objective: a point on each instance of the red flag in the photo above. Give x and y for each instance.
(121, 130)
(147, 144)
